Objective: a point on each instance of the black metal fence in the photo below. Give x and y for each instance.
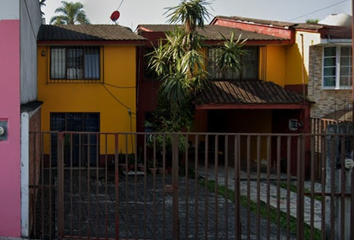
(195, 186)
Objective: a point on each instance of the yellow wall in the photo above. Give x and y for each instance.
(275, 66)
(294, 66)
(119, 69)
(283, 64)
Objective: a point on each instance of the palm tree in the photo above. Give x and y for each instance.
(41, 4)
(72, 13)
(192, 14)
(179, 64)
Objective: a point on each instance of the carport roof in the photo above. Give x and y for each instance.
(248, 94)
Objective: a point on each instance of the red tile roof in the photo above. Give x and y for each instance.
(273, 23)
(326, 31)
(212, 32)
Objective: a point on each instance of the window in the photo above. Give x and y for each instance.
(337, 67)
(148, 73)
(249, 65)
(83, 146)
(75, 63)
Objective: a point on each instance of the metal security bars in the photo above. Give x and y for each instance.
(68, 64)
(249, 65)
(195, 186)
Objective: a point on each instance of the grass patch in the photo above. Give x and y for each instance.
(273, 213)
(293, 188)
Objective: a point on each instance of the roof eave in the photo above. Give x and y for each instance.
(93, 42)
(210, 106)
(331, 41)
(250, 23)
(256, 42)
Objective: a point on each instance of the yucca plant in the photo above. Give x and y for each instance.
(180, 64)
(229, 53)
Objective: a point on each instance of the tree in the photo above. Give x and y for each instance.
(312, 21)
(180, 64)
(72, 13)
(41, 4)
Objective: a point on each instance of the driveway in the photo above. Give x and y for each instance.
(145, 210)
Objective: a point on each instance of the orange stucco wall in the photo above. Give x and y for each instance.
(114, 97)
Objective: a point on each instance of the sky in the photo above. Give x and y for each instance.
(134, 12)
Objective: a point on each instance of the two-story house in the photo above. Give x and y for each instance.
(267, 95)
(330, 71)
(87, 83)
(19, 110)
(324, 50)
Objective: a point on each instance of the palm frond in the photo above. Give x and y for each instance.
(229, 53)
(71, 13)
(192, 14)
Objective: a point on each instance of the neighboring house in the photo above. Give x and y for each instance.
(292, 60)
(330, 83)
(87, 83)
(19, 110)
(266, 96)
(324, 50)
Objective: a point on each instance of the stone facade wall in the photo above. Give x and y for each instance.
(326, 101)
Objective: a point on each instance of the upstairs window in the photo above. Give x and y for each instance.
(249, 68)
(337, 67)
(75, 63)
(149, 74)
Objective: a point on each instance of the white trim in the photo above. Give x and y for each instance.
(335, 41)
(24, 174)
(325, 41)
(337, 66)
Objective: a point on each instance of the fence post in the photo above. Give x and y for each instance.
(175, 185)
(338, 205)
(60, 191)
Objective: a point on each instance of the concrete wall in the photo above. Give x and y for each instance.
(30, 23)
(17, 62)
(10, 209)
(326, 101)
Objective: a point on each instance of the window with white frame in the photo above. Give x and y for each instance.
(75, 63)
(337, 67)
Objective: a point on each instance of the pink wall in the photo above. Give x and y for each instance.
(10, 178)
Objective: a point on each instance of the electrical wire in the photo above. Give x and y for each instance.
(318, 10)
(117, 86)
(128, 108)
(120, 4)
